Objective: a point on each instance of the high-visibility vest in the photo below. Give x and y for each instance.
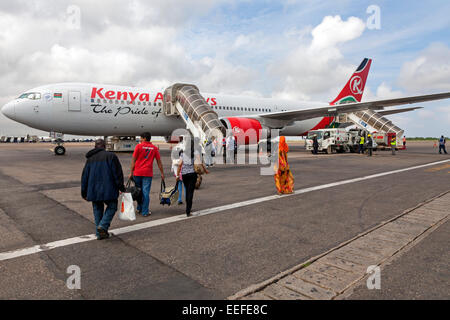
(393, 142)
(361, 141)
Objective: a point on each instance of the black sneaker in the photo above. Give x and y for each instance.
(103, 234)
(180, 202)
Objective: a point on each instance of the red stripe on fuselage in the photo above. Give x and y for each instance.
(326, 121)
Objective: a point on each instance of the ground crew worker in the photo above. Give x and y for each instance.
(404, 142)
(442, 145)
(361, 144)
(393, 144)
(315, 144)
(369, 145)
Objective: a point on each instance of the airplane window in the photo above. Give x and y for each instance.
(104, 101)
(117, 101)
(122, 102)
(92, 100)
(30, 95)
(98, 101)
(154, 104)
(220, 107)
(110, 101)
(159, 103)
(139, 103)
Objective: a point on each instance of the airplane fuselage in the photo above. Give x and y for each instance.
(109, 110)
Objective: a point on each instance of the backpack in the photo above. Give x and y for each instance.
(168, 194)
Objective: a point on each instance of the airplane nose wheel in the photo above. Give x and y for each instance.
(60, 150)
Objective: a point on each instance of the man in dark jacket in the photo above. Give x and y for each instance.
(315, 144)
(101, 181)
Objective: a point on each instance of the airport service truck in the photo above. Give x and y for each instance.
(121, 144)
(383, 140)
(330, 140)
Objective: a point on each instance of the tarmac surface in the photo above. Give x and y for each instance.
(216, 255)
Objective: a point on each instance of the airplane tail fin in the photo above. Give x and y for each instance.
(353, 90)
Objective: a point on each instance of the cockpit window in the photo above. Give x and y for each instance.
(30, 95)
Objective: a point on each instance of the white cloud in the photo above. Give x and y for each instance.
(241, 41)
(156, 43)
(317, 67)
(444, 113)
(384, 91)
(333, 31)
(429, 71)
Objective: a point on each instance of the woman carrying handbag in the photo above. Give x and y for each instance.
(186, 170)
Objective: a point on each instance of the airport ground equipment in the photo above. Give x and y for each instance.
(121, 143)
(372, 122)
(32, 139)
(2, 139)
(184, 100)
(383, 140)
(330, 140)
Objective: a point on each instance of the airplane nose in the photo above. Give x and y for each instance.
(9, 110)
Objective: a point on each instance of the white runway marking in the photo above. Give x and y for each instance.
(62, 243)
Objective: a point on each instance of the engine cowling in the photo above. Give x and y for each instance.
(247, 131)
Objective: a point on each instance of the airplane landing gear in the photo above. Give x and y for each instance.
(59, 149)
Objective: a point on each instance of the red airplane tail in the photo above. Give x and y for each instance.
(353, 90)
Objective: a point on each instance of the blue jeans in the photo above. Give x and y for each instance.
(180, 191)
(145, 183)
(104, 217)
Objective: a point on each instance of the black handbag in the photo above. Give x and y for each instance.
(136, 192)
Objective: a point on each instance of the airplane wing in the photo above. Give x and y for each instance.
(394, 111)
(333, 110)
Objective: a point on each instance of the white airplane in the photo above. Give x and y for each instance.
(108, 110)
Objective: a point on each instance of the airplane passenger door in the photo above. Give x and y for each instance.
(74, 101)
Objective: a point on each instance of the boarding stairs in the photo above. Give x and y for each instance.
(371, 121)
(182, 99)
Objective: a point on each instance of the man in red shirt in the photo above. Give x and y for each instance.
(142, 170)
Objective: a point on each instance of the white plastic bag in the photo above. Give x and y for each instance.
(126, 212)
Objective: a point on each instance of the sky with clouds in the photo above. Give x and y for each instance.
(294, 49)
